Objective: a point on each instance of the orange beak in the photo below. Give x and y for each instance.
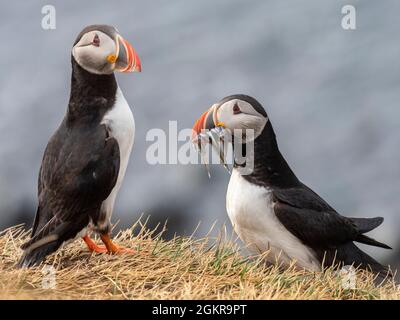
(199, 125)
(205, 122)
(127, 60)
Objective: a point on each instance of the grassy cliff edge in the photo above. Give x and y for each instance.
(182, 268)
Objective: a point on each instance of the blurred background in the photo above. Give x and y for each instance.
(332, 96)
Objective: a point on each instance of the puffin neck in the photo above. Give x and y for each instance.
(270, 167)
(92, 95)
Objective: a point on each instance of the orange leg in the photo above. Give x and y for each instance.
(112, 247)
(93, 247)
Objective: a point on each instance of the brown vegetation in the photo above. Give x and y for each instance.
(182, 268)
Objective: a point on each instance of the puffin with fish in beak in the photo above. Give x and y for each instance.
(271, 210)
(85, 160)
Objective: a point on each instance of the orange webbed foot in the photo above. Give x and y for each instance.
(112, 248)
(92, 246)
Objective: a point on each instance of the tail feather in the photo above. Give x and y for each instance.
(33, 257)
(365, 225)
(48, 240)
(50, 232)
(372, 242)
(350, 254)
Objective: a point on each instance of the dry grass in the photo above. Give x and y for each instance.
(183, 268)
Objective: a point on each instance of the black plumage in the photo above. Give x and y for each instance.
(79, 168)
(303, 212)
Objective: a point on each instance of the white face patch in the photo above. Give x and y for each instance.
(237, 115)
(92, 57)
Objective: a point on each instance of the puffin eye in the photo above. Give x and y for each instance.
(236, 109)
(96, 40)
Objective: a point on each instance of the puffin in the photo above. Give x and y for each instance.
(270, 209)
(85, 160)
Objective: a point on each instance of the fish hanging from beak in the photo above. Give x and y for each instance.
(206, 131)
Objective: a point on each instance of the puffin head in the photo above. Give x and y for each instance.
(100, 49)
(234, 114)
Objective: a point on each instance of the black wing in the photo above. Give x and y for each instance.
(315, 223)
(78, 172)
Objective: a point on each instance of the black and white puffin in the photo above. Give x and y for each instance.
(272, 210)
(86, 158)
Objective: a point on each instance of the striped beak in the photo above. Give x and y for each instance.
(127, 59)
(208, 130)
(204, 123)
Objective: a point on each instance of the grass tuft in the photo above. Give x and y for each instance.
(182, 268)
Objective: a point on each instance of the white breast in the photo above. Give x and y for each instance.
(250, 209)
(122, 127)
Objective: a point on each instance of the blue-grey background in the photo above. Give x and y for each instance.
(332, 96)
